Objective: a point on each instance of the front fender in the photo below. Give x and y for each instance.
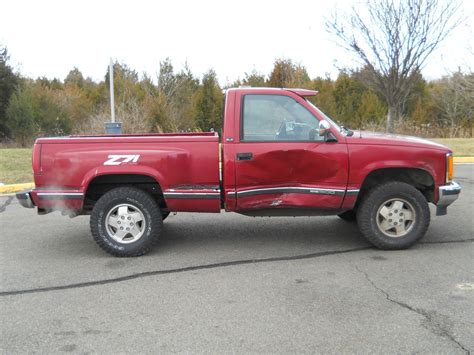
(365, 159)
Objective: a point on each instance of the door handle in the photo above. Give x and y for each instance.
(244, 156)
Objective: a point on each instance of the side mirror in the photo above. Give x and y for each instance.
(324, 127)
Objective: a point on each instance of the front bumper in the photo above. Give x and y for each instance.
(25, 199)
(447, 195)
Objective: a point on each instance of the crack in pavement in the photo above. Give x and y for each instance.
(7, 202)
(442, 331)
(200, 267)
(179, 270)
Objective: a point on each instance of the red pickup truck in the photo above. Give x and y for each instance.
(279, 155)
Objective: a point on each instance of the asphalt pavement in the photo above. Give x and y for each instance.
(230, 283)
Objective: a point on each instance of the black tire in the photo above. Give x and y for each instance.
(143, 212)
(348, 216)
(381, 200)
(164, 215)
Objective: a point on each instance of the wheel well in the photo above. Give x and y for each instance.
(420, 179)
(104, 183)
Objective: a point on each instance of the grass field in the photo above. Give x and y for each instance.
(15, 164)
(462, 147)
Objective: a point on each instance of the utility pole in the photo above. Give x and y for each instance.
(111, 84)
(112, 127)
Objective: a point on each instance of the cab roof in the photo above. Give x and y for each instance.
(297, 91)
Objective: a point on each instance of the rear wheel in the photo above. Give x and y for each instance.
(393, 215)
(126, 221)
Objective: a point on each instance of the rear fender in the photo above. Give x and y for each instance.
(123, 170)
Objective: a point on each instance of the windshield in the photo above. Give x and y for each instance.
(340, 129)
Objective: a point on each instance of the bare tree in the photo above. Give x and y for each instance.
(455, 100)
(393, 39)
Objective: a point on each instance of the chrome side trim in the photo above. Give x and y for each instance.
(353, 192)
(336, 192)
(60, 195)
(297, 190)
(289, 189)
(193, 195)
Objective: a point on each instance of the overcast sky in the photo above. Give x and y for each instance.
(49, 38)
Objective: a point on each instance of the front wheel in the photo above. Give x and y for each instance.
(393, 215)
(126, 221)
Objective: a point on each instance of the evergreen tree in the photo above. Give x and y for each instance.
(74, 77)
(283, 73)
(254, 79)
(325, 99)
(8, 83)
(287, 74)
(21, 117)
(347, 93)
(209, 105)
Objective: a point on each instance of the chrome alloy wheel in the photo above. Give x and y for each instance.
(396, 217)
(125, 223)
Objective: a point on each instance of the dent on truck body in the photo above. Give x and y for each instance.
(300, 175)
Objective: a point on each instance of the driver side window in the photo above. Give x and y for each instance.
(277, 118)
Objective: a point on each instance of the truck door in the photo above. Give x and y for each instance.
(280, 159)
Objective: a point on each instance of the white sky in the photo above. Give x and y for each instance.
(49, 38)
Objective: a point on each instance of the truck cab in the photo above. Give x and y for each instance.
(278, 157)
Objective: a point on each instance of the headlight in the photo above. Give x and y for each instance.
(449, 167)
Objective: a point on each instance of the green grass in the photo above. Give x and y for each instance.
(462, 147)
(15, 166)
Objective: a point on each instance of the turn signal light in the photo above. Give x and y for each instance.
(449, 168)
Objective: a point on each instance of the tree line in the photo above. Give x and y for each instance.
(180, 101)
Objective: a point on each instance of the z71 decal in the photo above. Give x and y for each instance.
(120, 159)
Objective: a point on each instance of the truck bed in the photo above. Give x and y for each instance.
(185, 165)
